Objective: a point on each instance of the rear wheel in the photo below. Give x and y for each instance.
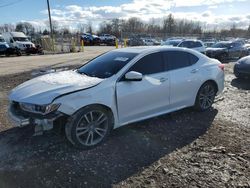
(205, 96)
(89, 127)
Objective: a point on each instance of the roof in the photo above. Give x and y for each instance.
(17, 34)
(147, 49)
(194, 40)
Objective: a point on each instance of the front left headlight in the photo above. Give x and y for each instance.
(39, 109)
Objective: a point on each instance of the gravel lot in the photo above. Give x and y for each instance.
(12, 65)
(181, 149)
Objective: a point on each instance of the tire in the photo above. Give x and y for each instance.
(83, 129)
(19, 53)
(205, 96)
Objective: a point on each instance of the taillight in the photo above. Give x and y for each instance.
(222, 66)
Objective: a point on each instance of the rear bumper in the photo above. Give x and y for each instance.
(220, 83)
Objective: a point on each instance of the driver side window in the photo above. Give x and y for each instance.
(150, 64)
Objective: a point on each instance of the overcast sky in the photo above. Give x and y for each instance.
(212, 13)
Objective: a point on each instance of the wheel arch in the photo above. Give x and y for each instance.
(102, 106)
(207, 81)
(213, 82)
(210, 81)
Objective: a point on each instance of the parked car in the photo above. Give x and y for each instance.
(242, 68)
(226, 50)
(209, 44)
(147, 42)
(96, 40)
(117, 88)
(193, 44)
(247, 46)
(90, 39)
(107, 39)
(7, 51)
(135, 41)
(156, 42)
(19, 41)
(172, 42)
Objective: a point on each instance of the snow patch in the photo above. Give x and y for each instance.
(69, 78)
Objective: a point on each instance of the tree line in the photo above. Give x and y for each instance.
(165, 27)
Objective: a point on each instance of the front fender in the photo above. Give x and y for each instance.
(97, 95)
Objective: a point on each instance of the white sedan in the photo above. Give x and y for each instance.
(117, 88)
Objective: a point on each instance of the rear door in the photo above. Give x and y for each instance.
(185, 77)
(139, 99)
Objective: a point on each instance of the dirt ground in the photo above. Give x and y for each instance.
(181, 149)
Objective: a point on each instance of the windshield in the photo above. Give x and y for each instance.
(21, 39)
(221, 45)
(1, 39)
(106, 65)
(172, 42)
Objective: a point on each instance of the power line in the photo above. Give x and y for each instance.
(10, 3)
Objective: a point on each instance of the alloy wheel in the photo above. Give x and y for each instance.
(92, 128)
(206, 97)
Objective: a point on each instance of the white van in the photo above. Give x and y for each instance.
(2, 41)
(18, 40)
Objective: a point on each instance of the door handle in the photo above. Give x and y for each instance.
(163, 79)
(194, 70)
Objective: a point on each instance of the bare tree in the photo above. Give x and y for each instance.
(81, 27)
(55, 26)
(7, 28)
(169, 25)
(25, 27)
(89, 27)
(248, 31)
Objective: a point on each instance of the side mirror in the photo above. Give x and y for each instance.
(133, 76)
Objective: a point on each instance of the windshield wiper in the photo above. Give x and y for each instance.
(84, 73)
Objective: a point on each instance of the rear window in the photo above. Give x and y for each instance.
(197, 44)
(187, 44)
(179, 59)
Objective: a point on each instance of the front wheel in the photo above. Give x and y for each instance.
(89, 127)
(205, 96)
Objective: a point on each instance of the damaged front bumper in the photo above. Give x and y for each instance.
(21, 118)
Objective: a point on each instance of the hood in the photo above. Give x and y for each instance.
(216, 49)
(44, 89)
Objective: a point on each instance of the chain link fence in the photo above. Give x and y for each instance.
(63, 43)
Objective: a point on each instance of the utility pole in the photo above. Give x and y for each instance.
(51, 28)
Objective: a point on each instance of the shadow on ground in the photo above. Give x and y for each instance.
(49, 161)
(241, 83)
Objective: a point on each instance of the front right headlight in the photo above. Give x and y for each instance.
(39, 109)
